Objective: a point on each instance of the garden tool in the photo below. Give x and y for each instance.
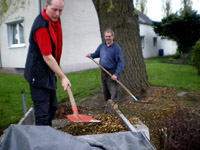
(125, 88)
(76, 117)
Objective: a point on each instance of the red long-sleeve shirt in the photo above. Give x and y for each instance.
(41, 36)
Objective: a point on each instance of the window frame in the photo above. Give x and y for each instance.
(15, 25)
(155, 41)
(142, 41)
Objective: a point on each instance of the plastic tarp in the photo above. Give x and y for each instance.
(28, 137)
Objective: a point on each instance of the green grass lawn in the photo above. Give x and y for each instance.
(11, 109)
(83, 84)
(172, 75)
(86, 82)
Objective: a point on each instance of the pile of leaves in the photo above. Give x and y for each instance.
(166, 105)
(109, 124)
(157, 116)
(65, 109)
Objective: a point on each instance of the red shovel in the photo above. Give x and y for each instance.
(76, 117)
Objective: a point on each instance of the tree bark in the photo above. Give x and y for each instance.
(120, 16)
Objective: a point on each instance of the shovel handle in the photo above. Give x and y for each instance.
(71, 97)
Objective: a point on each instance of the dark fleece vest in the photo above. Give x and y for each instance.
(37, 72)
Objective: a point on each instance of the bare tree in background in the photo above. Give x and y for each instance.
(122, 18)
(186, 6)
(167, 9)
(141, 5)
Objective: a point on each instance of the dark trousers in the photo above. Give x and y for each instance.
(45, 104)
(109, 86)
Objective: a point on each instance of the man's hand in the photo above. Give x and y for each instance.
(114, 77)
(87, 55)
(65, 83)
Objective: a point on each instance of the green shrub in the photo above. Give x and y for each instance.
(176, 56)
(196, 56)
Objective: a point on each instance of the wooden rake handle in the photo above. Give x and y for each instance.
(122, 85)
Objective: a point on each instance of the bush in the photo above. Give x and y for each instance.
(181, 131)
(176, 56)
(196, 56)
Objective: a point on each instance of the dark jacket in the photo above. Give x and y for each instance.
(37, 72)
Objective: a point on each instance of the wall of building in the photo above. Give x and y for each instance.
(80, 28)
(151, 50)
(81, 35)
(15, 57)
(169, 46)
(148, 49)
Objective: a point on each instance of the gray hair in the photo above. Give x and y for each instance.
(109, 31)
(49, 2)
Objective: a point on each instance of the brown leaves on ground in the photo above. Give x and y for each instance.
(65, 109)
(109, 124)
(165, 101)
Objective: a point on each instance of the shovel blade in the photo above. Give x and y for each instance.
(74, 118)
(81, 118)
(86, 118)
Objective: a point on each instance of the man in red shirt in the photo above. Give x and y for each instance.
(43, 61)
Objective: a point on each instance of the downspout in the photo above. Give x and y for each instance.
(40, 9)
(0, 48)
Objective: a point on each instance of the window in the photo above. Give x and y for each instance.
(142, 41)
(155, 41)
(15, 31)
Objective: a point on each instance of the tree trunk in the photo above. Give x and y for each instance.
(120, 16)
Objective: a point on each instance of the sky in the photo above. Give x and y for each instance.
(154, 8)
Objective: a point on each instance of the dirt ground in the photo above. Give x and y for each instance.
(164, 99)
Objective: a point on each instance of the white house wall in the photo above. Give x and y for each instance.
(81, 34)
(80, 28)
(15, 57)
(148, 33)
(149, 50)
(169, 46)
